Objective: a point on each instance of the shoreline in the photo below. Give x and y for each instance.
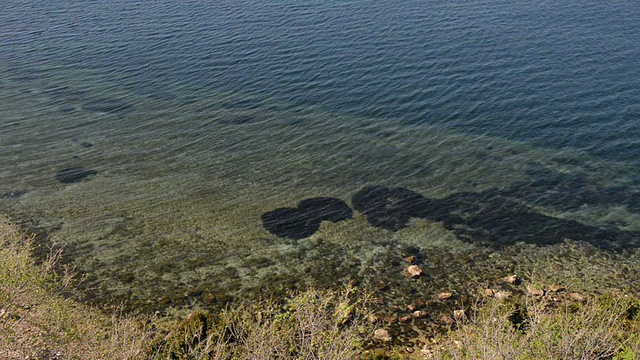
(365, 324)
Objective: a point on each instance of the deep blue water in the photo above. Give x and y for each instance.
(557, 74)
(239, 107)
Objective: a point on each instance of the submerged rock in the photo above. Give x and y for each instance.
(413, 271)
(14, 194)
(73, 175)
(304, 221)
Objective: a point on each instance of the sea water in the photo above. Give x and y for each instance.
(517, 120)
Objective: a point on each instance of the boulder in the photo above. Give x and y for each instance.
(382, 335)
(413, 271)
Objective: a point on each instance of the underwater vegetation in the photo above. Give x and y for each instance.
(74, 174)
(108, 105)
(492, 218)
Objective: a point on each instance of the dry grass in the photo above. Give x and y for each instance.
(604, 328)
(37, 322)
(311, 325)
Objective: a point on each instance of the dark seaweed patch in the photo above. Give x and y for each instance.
(65, 93)
(73, 175)
(304, 221)
(491, 218)
(67, 109)
(108, 105)
(290, 223)
(14, 194)
(238, 120)
(325, 208)
(389, 208)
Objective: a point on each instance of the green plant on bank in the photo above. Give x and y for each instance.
(36, 322)
(607, 327)
(311, 325)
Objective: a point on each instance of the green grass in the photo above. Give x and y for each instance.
(606, 327)
(37, 322)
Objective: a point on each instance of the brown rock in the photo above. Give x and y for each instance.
(444, 295)
(419, 314)
(489, 292)
(372, 318)
(578, 297)
(556, 287)
(502, 294)
(405, 319)
(459, 315)
(426, 352)
(382, 335)
(410, 259)
(511, 279)
(447, 319)
(413, 271)
(390, 319)
(535, 291)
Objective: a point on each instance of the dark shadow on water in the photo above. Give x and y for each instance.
(303, 221)
(495, 217)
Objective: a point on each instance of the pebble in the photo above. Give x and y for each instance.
(511, 279)
(578, 297)
(535, 291)
(447, 319)
(390, 319)
(556, 287)
(459, 315)
(489, 292)
(501, 295)
(372, 318)
(413, 271)
(382, 335)
(444, 295)
(410, 259)
(419, 314)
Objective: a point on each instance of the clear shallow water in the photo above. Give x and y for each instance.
(201, 117)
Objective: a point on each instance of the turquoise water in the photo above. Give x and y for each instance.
(513, 122)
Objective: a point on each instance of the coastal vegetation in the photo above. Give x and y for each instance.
(540, 321)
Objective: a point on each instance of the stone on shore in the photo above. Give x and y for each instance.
(413, 271)
(382, 335)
